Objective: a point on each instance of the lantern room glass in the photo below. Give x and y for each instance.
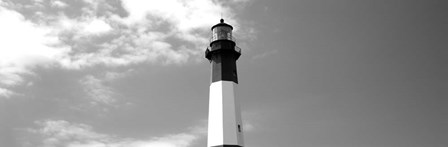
(222, 33)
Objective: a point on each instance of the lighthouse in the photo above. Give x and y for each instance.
(225, 128)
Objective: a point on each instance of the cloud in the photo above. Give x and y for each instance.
(58, 4)
(56, 133)
(99, 95)
(60, 133)
(103, 33)
(82, 26)
(5, 93)
(110, 76)
(97, 26)
(265, 54)
(96, 91)
(247, 126)
(184, 15)
(24, 46)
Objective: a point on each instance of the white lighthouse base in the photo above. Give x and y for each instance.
(224, 119)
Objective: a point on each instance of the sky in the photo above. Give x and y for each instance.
(313, 73)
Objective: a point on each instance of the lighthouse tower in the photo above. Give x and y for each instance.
(225, 128)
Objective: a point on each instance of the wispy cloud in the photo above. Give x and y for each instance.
(265, 54)
(58, 4)
(5, 93)
(96, 91)
(98, 94)
(56, 133)
(248, 126)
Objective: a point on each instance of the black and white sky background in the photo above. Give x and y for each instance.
(313, 73)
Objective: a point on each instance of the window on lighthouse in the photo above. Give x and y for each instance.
(222, 33)
(239, 128)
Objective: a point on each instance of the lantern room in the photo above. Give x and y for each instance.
(221, 31)
(222, 42)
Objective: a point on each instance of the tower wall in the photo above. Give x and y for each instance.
(224, 125)
(224, 67)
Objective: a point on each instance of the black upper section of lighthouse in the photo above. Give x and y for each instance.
(223, 53)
